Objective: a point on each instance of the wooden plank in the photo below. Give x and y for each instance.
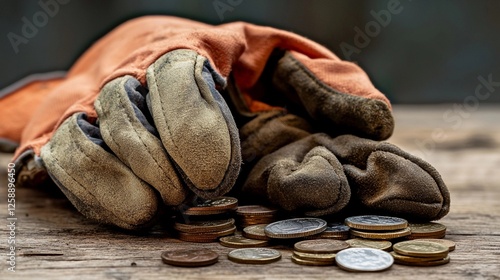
(56, 242)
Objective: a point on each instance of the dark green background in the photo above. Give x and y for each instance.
(430, 52)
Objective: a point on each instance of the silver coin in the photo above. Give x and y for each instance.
(368, 221)
(364, 259)
(294, 228)
(337, 227)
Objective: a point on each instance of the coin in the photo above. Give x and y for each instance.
(205, 237)
(445, 242)
(428, 230)
(381, 235)
(374, 222)
(366, 243)
(416, 248)
(256, 232)
(428, 263)
(205, 226)
(256, 210)
(315, 257)
(317, 246)
(301, 261)
(211, 207)
(333, 231)
(364, 259)
(254, 255)
(407, 259)
(238, 241)
(294, 228)
(190, 257)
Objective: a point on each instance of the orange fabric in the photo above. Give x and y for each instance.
(133, 46)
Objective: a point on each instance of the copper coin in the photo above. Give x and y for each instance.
(256, 210)
(374, 222)
(205, 237)
(320, 246)
(295, 228)
(215, 206)
(190, 257)
(205, 226)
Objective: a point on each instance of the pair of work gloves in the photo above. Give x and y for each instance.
(164, 109)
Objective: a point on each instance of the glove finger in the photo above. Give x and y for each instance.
(388, 180)
(125, 125)
(337, 112)
(302, 177)
(268, 132)
(98, 184)
(194, 122)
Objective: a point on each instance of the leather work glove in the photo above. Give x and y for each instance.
(141, 118)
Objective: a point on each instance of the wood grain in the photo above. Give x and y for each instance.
(55, 242)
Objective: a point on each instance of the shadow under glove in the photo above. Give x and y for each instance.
(320, 175)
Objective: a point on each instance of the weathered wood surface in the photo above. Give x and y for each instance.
(56, 242)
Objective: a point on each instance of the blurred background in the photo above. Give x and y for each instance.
(414, 51)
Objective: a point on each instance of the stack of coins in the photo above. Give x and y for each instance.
(333, 231)
(420, 253)
(320, 252)
(427, 230)
(250, 215)
(203, 223)
(378, 227)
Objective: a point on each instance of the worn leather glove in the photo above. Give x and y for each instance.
(318, 175)
(139, 116)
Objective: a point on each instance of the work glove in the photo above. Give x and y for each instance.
(140, 120)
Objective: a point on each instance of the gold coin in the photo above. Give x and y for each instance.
(295, 228)
(429, 263)
(205, 226)
(213, 206)
(315, 257)
(205, 237)
(409, 259)
(238, 241)
(366, 243)
(254, 255)
(445, 242)
(374, 222)
(426, 229)
(381, 235)
(301, 261)
(256, 232)
(416, 248)
(320, 246)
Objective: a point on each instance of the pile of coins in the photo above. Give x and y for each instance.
(377, 242)
(250, 215)
(203, 222)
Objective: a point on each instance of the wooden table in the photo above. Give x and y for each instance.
(55, 242)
